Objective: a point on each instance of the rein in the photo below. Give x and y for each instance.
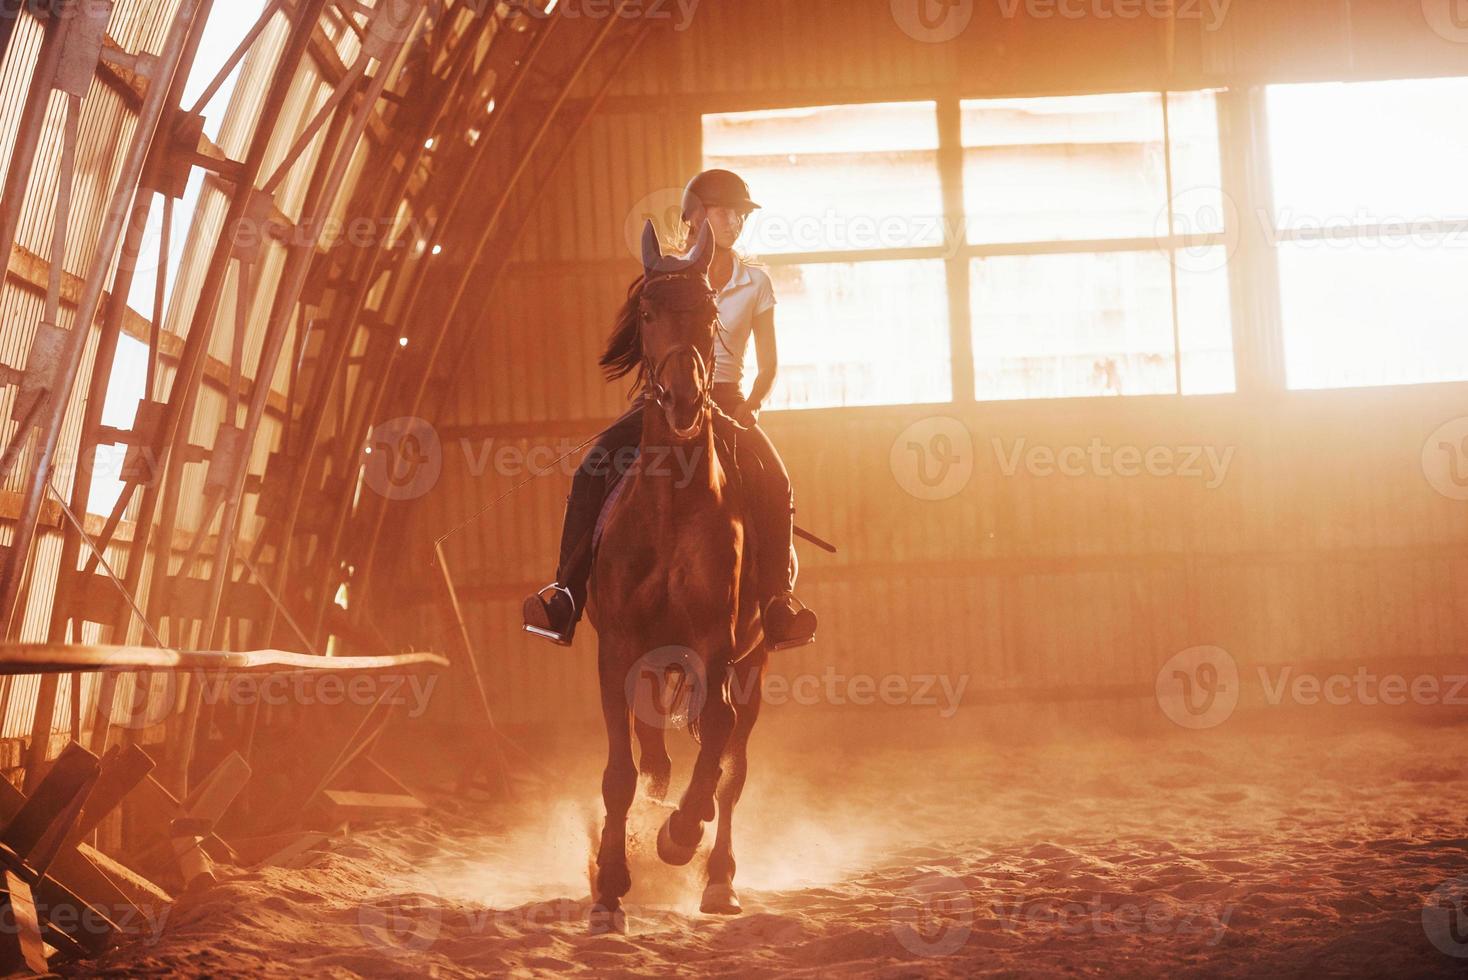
(663, 397)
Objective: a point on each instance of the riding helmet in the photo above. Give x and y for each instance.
(717, 189)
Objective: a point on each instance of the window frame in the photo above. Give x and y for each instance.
(957, 252)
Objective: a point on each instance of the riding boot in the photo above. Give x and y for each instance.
(787, 622)
(554, 611)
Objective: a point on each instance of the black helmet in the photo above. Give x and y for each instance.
(717, 189)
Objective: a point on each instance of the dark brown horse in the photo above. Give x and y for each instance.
(669, 599)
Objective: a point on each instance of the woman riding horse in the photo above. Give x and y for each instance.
(746, 302)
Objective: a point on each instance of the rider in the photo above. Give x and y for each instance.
(746, 305)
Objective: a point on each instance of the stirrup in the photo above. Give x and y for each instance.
(559, 639)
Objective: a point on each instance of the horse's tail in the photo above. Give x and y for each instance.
(680, 683)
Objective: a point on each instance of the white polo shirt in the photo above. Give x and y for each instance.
(746, 295)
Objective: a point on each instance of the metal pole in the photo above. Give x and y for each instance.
(316, 414)
(173, 433)
(285, 302)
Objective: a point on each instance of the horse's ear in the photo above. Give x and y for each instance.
(702, 255)
(652, 252)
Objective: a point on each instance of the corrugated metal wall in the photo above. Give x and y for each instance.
(106, 126)
(1324, 544)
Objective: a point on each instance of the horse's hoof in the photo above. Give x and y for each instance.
(604, 921)
(719, 899)
(670, 850)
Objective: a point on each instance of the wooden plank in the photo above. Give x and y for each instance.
(138, 890)
(74, 881)
(122, 770)
(213, 797)
(21, 949)
(278, 850)
(56, 797)
(353, 803)
(34, 658)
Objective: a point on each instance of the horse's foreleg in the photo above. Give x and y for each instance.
(683, 830)
(719, 896)
(618, 786)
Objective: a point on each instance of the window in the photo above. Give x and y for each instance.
(1370, 221)
(1072, 288)
(890, 342)
(851, 229)
(1077, 282)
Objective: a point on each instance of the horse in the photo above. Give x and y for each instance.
(669, 593)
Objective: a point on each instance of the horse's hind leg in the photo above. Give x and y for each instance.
(618, 786)
(719, 896)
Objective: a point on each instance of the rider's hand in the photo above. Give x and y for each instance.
(746, 415)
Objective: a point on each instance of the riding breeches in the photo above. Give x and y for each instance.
(760, 466)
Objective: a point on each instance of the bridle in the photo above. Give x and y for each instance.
(662, 397)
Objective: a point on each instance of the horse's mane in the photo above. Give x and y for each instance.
(623, 353)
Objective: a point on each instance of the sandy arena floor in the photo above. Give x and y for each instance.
(1196, 854)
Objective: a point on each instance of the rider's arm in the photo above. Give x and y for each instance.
(768, 358)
